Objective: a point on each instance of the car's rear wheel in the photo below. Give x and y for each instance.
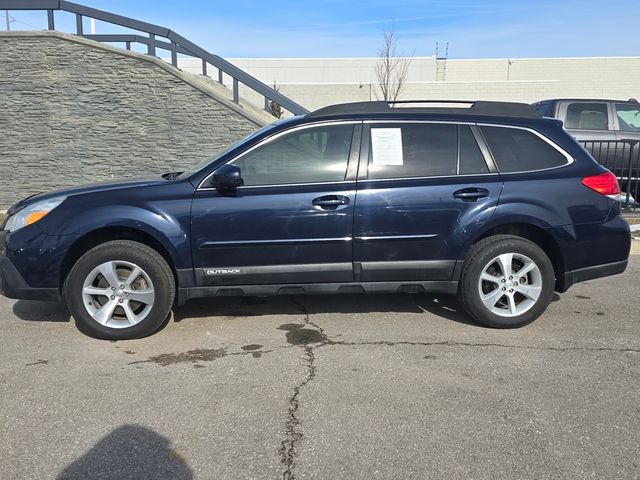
(507, 282)
(120, 290)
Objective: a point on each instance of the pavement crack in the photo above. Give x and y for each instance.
(39, 362)
(293, 432)
(289, 446)
(307, 318)
(479, 345)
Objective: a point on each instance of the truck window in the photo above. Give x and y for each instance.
(628, 117)
(587, 116)
(544, 108)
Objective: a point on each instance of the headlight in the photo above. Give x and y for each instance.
(31, 213)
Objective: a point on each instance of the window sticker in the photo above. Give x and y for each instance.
(386, 144)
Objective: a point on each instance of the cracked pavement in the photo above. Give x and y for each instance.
(353, 386)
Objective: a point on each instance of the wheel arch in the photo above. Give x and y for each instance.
(536, 234)
(98, 236)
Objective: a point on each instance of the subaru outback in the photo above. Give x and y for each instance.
(486, 200)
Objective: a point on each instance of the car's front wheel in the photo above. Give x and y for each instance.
(120, 290)
(506, 282)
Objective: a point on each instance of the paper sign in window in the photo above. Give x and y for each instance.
(386, 144)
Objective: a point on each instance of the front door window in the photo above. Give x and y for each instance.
(309, 155)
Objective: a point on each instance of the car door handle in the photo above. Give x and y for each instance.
(471, 194)
(330, 202)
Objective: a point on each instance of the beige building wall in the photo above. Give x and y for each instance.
(321, 70)
(315, 83)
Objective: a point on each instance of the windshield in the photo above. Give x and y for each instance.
(210, 160)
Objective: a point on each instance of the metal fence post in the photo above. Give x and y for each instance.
(631, 148)
(220, 77)
(204, 67)
(174, 54)
(151, 48)
(236, 93)
(50, 20)
(79, 29)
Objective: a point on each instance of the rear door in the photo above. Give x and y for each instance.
(420, 185)
(292, 220)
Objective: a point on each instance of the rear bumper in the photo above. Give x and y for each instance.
(12, 285)
(590, 273)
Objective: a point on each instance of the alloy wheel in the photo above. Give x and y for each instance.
(118, 294)
(510, 284)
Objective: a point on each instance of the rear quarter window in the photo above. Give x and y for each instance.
(517, 150)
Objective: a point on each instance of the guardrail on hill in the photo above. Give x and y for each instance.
(622, 157)
(176, 44)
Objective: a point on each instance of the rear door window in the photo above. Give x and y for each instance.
(471, 159)
(587, 116)
(518, 150)
(423, 150)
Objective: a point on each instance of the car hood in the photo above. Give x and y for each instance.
(88, 188)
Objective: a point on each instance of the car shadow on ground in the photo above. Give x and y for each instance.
(129, 451)
(34, 311)
(445, 306)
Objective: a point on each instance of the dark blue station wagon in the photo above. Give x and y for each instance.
(489, 201)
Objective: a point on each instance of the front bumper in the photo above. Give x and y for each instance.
(12, 285)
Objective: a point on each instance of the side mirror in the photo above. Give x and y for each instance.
(227, 177)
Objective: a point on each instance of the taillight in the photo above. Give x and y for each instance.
(604, 183)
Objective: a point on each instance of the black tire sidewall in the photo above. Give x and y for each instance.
(468, 290)
(146, 258)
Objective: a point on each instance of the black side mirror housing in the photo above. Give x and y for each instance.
(227, 177)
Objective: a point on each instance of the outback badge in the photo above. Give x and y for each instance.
(221, 271)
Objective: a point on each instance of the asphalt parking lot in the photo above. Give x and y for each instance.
(387, 386)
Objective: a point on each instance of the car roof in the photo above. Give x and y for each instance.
(455, 108)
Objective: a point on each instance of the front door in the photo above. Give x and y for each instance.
(292, 220)
(421, 186)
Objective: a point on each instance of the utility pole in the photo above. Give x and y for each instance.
(6, 12)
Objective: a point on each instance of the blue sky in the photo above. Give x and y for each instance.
(335, 28)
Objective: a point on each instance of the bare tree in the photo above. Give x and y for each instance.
(391, 69)
(274, 108)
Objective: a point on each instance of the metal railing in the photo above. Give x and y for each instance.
(622, 157)
(176, 44)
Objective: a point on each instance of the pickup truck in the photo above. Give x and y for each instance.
(609, 130)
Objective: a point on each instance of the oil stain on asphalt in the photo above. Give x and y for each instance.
(199, 355)
(192, 356)
(298, 335)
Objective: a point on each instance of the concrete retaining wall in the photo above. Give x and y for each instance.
(74, 111)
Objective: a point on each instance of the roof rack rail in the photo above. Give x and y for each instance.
(474, 107)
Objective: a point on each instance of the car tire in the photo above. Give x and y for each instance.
(107, 303)
(506, 282)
